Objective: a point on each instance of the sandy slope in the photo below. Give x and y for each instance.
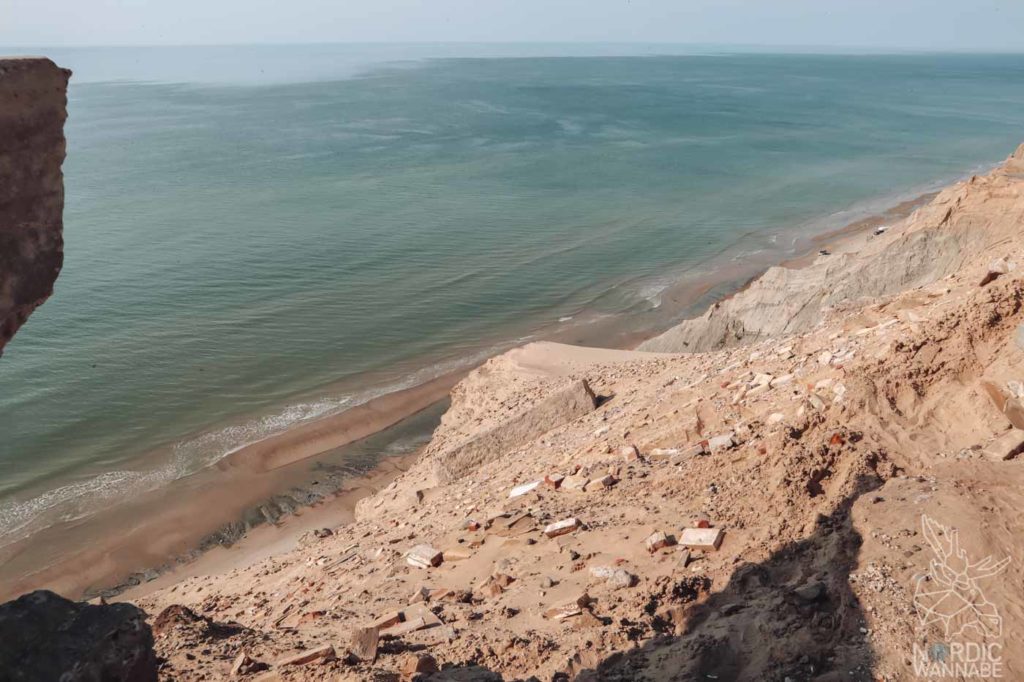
(881, 390)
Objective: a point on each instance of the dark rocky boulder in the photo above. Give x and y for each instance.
(33, 97)
(44, 637)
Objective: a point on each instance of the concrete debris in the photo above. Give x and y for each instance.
(602, 483)
(997, 268)
(320, 654)
(562, 527)
(617, 577)
(574, 482)
(424, 556)
(722, 442)
(629, 453)
(553, 481)
(570, 609)
(658, 540)
(417, 664)
(364, 643)
(701, 538)
(524, 488)
(1007, 446)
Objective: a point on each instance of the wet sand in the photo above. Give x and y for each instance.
(154, 538)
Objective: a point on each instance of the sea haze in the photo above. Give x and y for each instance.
(246, 251)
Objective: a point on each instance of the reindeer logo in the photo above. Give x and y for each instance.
(949, 595)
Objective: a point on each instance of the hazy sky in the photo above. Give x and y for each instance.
(890, 24)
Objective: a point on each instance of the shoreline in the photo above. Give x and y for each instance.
(262, 469)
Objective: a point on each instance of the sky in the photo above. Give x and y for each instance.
(897, 25)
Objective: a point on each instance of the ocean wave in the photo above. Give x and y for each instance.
(80, 499)
(75, 500)
(210, 447)
(652, 293)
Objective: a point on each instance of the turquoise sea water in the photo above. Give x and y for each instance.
(259, 236)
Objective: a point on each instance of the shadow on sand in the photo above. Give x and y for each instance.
(792, 617)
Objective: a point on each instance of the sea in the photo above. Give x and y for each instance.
(258, 236)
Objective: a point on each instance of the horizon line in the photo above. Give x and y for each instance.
(816, 48)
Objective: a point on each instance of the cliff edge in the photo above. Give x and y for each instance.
(931, 243)
(33, 108)
(831, 502)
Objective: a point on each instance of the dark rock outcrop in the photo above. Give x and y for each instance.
(46, 637)
(33, 99)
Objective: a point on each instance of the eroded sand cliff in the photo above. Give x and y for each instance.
(777, 510)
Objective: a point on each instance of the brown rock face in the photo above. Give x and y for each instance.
(46, 637)
(33, 99)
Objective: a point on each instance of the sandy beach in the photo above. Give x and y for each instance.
(160, 532)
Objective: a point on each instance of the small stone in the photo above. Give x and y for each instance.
(629, 453)
(364, 644)
(688, 453)
(658, 540)
(387, 620)
(758, 390)
(663, 453)
(421, 594)
(243, 664)
(782, 380)
(617, 577)
(997, 268)
(603, 483)
(775, 417)
(573, 608)
(574, 482)
(1016, 388)
(562, 527)
(417, 664)
(520, 490)
(722, 442)
(816, 402)
(812, 591)
(553, 481)
(701, 538)
(424, 556)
